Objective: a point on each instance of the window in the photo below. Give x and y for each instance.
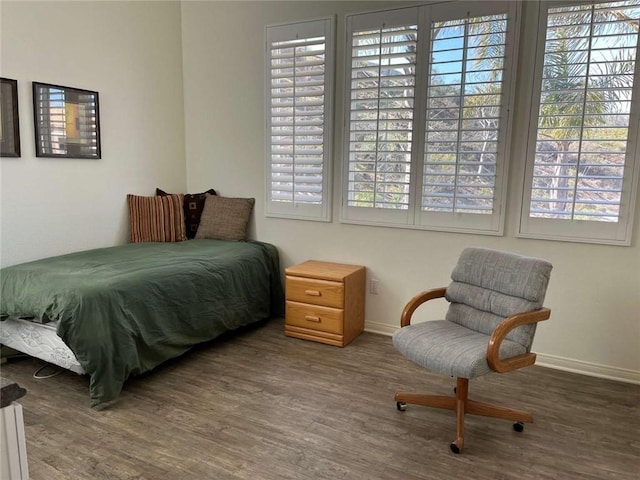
(429, 94)
(582, 148)
(299, 70)
(383, 74)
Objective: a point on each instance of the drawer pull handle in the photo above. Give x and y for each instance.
(313, 293)
(312, 319)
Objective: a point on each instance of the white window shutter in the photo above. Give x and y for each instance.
(470, 93)
(583, 138)
(430, 90)
(299, 93)
(381, 114)
(381, 58)
(463, 114)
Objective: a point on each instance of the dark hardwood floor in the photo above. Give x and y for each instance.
(259, 405)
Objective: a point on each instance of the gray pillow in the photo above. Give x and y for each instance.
(225, 218)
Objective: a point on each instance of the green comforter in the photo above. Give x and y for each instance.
(124, 310)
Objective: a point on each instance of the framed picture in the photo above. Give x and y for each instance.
(66, 122)
(9, 121)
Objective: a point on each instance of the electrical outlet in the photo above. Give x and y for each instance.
(373, 286)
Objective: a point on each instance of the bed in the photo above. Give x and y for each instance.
(120, 311)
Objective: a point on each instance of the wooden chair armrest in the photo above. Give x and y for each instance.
(418, 300)
(501, 331)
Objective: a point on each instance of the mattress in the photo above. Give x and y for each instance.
(39, 340)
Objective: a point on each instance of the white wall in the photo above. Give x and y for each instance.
(595, 289)
(130, 52)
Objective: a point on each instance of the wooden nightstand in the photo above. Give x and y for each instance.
(325, 302)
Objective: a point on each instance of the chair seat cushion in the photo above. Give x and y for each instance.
(449, 348)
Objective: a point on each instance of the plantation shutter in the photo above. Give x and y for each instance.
(381, 56)
(429, 91)
(299, 119)
(469, 91)
(582, 153)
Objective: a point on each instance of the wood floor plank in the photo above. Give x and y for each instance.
(259, 405)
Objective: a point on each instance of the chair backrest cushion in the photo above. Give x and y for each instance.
(488, 286)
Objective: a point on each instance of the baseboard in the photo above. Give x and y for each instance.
(588, 368)
(549, 361)
(381, 328)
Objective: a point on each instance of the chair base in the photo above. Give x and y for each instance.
(462, 406)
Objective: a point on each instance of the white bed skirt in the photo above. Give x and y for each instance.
(38, 340)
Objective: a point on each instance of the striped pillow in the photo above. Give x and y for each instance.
(156, 219)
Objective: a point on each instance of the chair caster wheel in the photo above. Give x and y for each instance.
(454, 448)
(401, 406)
(518, 426)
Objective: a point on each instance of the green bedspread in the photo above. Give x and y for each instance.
(124, 310)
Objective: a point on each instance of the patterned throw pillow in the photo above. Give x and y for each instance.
(156, 219)
(225, 218)
(193, 205)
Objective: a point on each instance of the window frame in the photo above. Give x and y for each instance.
(290, 31)
(572, 230)
(414, 217)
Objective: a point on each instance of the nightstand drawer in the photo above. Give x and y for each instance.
(317, 292)
(314, 317)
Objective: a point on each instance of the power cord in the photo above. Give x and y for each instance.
(37, 375)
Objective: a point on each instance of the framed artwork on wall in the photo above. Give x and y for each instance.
(66, 122)
(9, 121)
